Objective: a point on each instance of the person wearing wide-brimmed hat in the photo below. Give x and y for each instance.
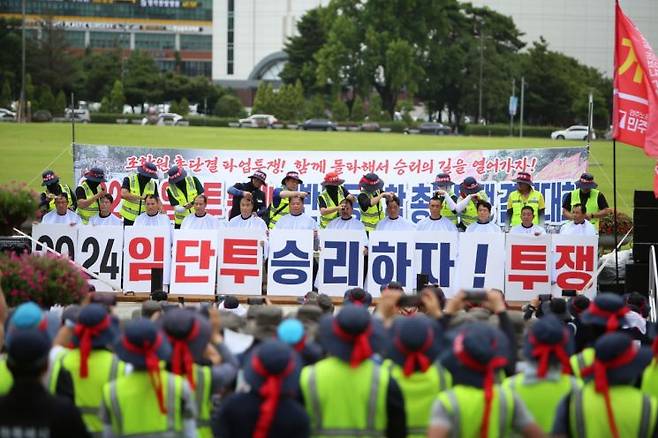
(349, 394)
(182, 192)
(253, 189)
(281, 197)
(413, 361)
(189, 334)
(53, 187)
(525, 195)
(470, 193)
(444, 190)
(609, 404)
(547, 377)
(150, 401)
(476, 405)
(61, 214)
(370, 200)
(134, 190)
(270, 407)
(331, 197)
(91, 362)
(606, 313)
(587, 194)
(89, 193)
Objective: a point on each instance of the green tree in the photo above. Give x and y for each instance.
(375, 108)
(184, 107)
(285, 103)
(298, 100)
(229, 106)
(100, 70)
(264, 101)
(46, 100)
(117, 98)
(142, 82)
(174, 107)
(358, 112)
(10, 55)
(5, 94)
(315, 107)
(106, 107)
(339, 110)
(60, 104)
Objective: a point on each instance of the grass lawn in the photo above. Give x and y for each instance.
(29, 149)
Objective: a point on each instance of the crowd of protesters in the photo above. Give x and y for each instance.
(419, 365)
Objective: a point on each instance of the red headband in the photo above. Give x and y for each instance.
(85, 334)
(182, 361)
(543, 353)
(413, 357)
(365, 180)
(271, 393)
(49, 177)
(149, 351)
(612, 317)
(362, 349)
(488, 369)
(147, 170)
(654, 347)
(177, 174)
(599, 369)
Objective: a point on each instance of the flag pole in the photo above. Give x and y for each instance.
(614, 206)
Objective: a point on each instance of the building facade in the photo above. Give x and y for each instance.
(169, 30)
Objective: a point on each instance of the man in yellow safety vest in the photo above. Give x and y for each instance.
(587, 194)
(524, 195)
(331, 197)
(134, 190)
(89, 193)
(54, 187)
(182, 192)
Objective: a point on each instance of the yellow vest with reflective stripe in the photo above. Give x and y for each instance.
(280, 211)
(133, 405)
(129, 209)
(6, 378)
(470, 213)
(592, 205)
(65, 189)
(202, 395)
(51, 377)
(516, 202)
(343, 401)
(373, 214)
(326, 218)
(465, 405)
(581, 360)
(447, 213)
(183, 200)
(103, 368)
(91, 211)
(650, 379)
(634, 412)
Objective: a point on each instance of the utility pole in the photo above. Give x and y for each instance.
(512, 108)
(522, 99)
(22, 104)
(481, 71)
(590, 119)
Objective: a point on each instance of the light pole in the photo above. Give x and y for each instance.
(22, 105)
(522, 99)
(481, 72)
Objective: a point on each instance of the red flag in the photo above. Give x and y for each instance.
(635, 99)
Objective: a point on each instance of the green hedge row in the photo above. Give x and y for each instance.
(498, 130)
(112, 118)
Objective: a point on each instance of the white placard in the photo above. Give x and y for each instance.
(341, 261)
(100, 250)
(61, 238)
(290, 264)
(391, 258)
(194, 262)
(481, 262)
(145, 248)
(575, 261)
(527, 266)
(240, 261)
(436, 256)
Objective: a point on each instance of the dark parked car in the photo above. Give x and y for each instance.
(434, 128)
(370, 127)
(318, 125)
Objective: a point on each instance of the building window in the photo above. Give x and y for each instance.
(109, 40)
(155, 41)
(196, 43)
(229, 37)
(75, 39)
(197, 68)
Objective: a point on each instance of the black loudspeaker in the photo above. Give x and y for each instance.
(156, 279)
(637, 278)
(645, 225)
(16, 244)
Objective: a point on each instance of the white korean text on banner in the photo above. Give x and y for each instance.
(194, 262)
(100, 250)
(409, 174)
(481, 261)
(341, 261)
(436, 257)
(390, 258)
(62, 238)
(145, 248)
(575, 261)
(528, 266)
(240, 261)
(290, 264)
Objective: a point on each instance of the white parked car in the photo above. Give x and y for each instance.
(162, 119)
(258, 121)
(80, 115)
(575, 132)
(6, 114)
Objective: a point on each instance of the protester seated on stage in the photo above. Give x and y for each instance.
(61, 214)
(105, 217)
(248, 217)
(484, 222)
(393, 221)
(201, 219)
(251, 190)
(579, 226)
(296, 219)
(152, 216)
(346, 219)
(527, 226)
(436, 222)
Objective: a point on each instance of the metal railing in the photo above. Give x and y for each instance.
(653, 284)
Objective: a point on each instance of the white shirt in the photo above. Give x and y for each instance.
(300, 222)
(157, 220)
(535, 230)
(349, 224)
(69, 218)
(110, 220)
(399, 224)
(477, 227)
(574, 229)
(252, 222)
(441, 224)
(205, 222)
